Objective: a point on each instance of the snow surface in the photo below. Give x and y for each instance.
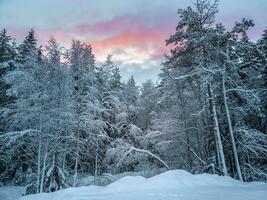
(171, 185)
(11, 192)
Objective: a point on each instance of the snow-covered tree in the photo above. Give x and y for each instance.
(130, 96)
(23, 116)
(7, 58)
(147, 104)
(59, 119)
(62, 113)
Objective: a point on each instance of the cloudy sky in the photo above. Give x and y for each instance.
(134, 31)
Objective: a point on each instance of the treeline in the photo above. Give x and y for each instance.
(62, 114)
(215, 84)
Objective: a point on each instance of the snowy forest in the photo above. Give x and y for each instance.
(65, 114)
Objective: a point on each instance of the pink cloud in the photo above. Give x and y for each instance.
(62, 36)
(19, 34)
(143, 39)
(42, 35)
(118, 33)
(146, 35)
(114, 25)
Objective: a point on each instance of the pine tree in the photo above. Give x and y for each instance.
(28, 46)
(147, 104)
(22, 115)
(130, 97)
(7, 52)
(7, 55)
(116, 79)
(262, 45)
(85, 100)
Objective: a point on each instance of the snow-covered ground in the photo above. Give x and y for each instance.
(11, 192)
(171, 185)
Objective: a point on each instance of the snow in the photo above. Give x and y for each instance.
(171, 185)
(11, 192)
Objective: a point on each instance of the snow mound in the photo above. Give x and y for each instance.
(171, 185)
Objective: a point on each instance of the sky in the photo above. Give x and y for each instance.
(134, 31)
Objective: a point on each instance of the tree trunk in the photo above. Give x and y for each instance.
(44, 166)
(77, 159)
(237, 165)
(217, 132)
(39, 165)
(96, 160)
(63, 162)
(218, 153)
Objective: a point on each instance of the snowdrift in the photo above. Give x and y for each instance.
(11, 192)
(171, 185)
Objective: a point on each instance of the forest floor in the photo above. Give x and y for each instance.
(171, 185)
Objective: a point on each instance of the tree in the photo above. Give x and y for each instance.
(59, 118)
(262, 45)
(205, 55)
(115, 78)
(84, 94)
(27, 47)
(130, 96)
(7, 55)
(147, 104)
(22, 116)
(196, 43)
